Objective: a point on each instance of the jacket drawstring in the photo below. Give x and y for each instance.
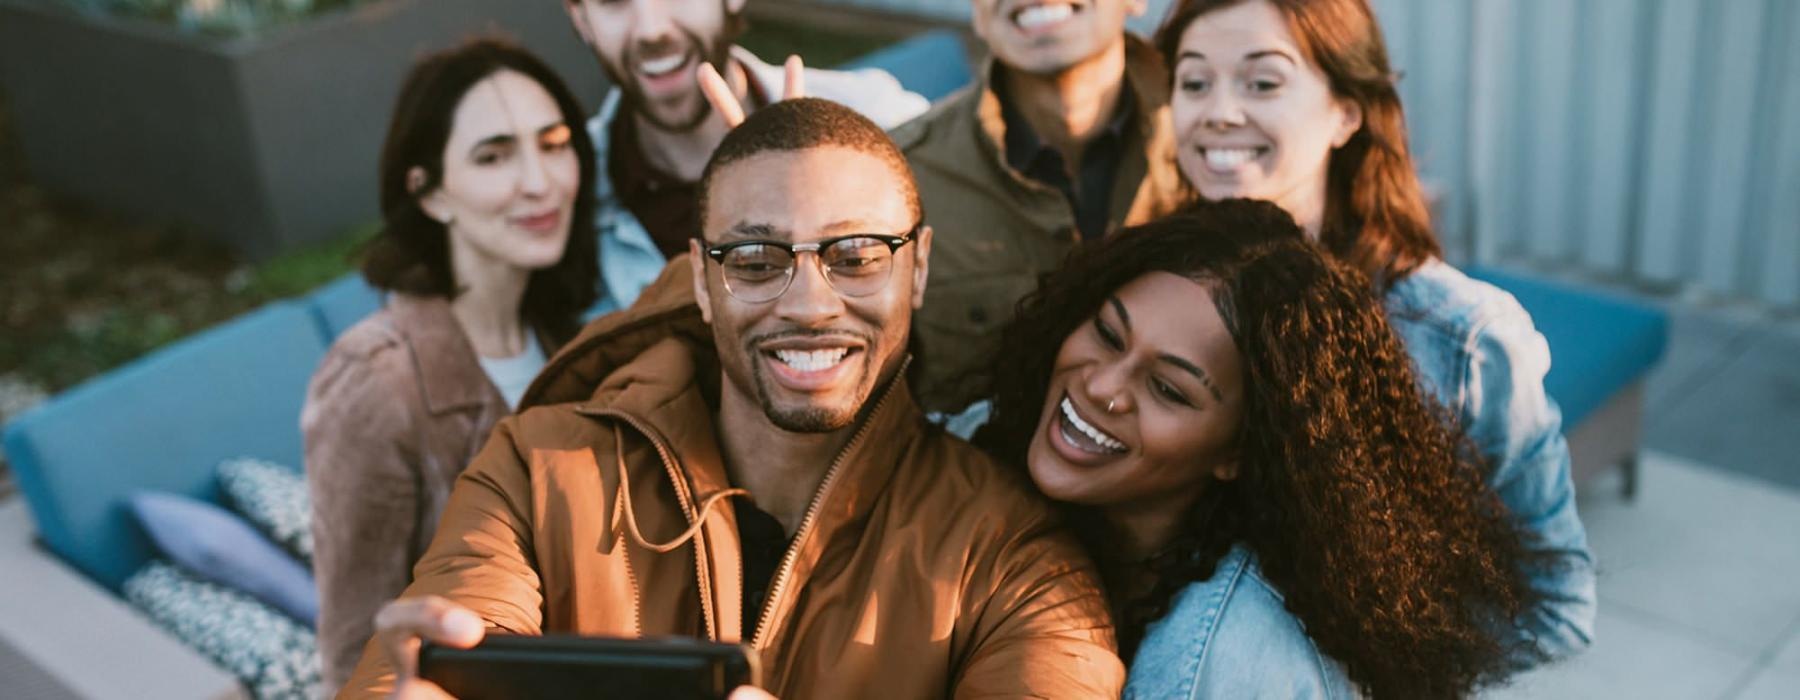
(630, 516)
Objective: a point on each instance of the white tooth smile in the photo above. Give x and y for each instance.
(1041, 15)
(659, 66)
(1228, 158)
(1108, 442)
(812, 360)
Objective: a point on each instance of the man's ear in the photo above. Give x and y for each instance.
(921, 265)
(1137, 8)
(578, 17)
(1353, 120)
(697, 263)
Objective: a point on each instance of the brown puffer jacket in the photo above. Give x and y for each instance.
(921, 570)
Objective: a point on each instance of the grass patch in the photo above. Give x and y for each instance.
(298, 272)
(85, 296)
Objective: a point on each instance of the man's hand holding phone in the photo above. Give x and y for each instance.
(403, 625)
(439, 649)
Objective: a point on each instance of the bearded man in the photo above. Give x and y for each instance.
(655, 130)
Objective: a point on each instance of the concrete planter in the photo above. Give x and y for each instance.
(263, 143)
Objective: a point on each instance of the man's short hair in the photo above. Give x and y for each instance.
(804, 123)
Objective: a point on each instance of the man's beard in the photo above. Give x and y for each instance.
(809, 419)
(718, 53)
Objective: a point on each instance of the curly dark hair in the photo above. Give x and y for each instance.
(412, 252)
(1360, 499)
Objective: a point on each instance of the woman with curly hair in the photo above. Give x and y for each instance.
(1294, 102)
(1277, 509)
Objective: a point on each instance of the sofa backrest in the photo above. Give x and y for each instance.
(1600, 343)
(162, 422)
(933, 64)
(341, 303)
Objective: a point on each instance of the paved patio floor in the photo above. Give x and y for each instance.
(1728, 393)
(1700, 576)
(1698, 594)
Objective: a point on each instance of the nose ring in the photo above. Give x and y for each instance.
(1109, 404)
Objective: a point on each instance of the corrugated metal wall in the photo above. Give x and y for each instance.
(1653, 141)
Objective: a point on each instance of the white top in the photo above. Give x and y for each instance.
(511, 375)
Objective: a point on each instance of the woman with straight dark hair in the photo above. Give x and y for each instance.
(1277, 508)
(487, 258)
(1294, 102)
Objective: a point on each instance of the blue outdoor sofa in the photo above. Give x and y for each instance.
(165, 421)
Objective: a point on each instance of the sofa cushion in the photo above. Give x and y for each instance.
(162, 423)
(1600, 343)
(222, 548)
(274, 499)
(933, 64)
(274, 656)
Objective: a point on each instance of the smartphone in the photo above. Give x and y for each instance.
(520, 667)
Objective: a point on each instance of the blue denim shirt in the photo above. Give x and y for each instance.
(1478, 354)
(1264, 653)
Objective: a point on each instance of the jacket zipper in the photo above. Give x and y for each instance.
(687, 509)
(761, 638)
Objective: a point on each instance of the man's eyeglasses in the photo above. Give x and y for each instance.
(856, 265)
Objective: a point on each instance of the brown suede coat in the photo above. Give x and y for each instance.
(395, 411)
(922, 570)
(996, 231)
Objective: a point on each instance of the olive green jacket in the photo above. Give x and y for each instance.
(996, 232)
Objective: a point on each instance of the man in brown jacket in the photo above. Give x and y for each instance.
(744, 461)
(1065, 137)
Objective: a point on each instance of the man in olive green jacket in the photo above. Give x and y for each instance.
(1065, 136)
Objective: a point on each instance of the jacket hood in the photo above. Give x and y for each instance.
(666, 309)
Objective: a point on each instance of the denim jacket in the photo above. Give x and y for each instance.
(1264, 653)
(629, 258)
(1478, 354)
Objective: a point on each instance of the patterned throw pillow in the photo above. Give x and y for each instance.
(274, 656)
(274, 499)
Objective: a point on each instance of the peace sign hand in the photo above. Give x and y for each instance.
(718, 92)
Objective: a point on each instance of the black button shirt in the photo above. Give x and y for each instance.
(764, 542)
(1090, 194)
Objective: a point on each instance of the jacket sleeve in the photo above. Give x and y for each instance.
(480, 558)
(873, 92)
(1041, 627)
(361, 468)
(1518, 428)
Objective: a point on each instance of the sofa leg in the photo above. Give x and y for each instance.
(1630, 487)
